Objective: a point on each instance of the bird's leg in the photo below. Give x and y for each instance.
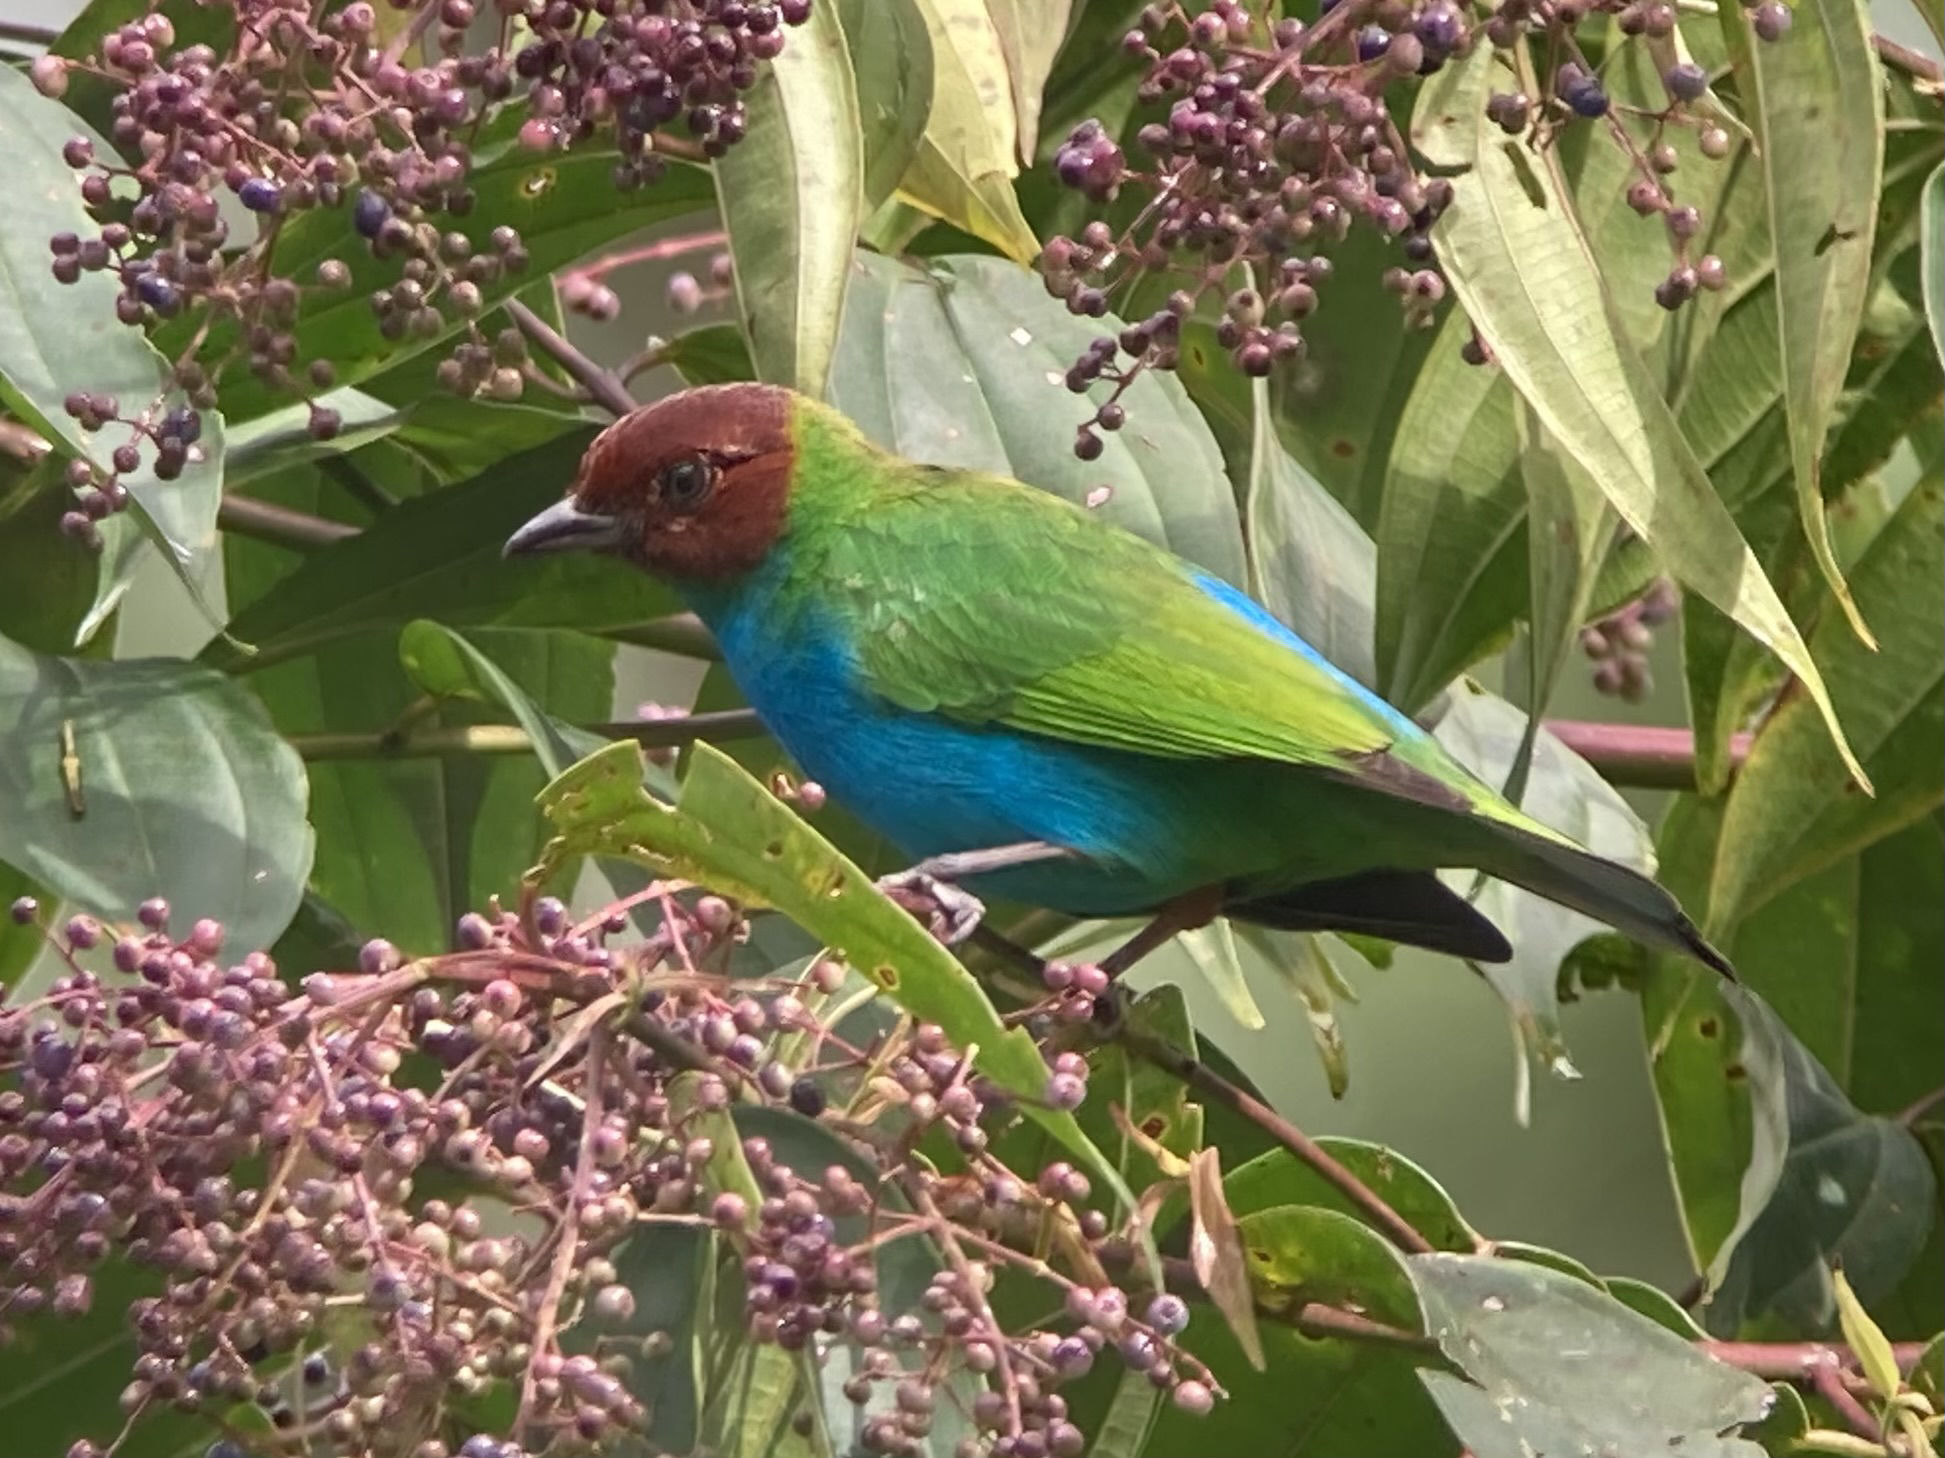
(934, 880)
(1186, 912)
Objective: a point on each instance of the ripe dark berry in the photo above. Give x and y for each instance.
(1772, 20)
(370, 213)
(1685, 81)
(807, 1097)
(260, 195)
(1372, 42)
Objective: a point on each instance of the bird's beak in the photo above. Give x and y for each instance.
(564, 527)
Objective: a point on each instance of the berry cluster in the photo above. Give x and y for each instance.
(1619, 643)
(313, 108)
(261, 1148)
(1278, 142)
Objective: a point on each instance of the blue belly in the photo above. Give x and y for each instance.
(931, 785)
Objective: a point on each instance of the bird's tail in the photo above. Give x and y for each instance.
(1626, 900)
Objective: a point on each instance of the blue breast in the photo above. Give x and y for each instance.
(931, 785)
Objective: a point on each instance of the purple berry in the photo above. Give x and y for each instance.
(260, 195)
(1772, 20)
(1066, 1091)
(1372, 42)
(24, 910)
(370, 213)
(1195, 1398)
(1168, 1314)
(1685, 81)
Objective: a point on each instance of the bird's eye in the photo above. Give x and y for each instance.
(686, 483)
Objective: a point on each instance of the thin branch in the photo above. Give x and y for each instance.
(1205, 1080)
(1637, 755)
(679, 633)
(436, 741)
(279, 525)
(1827, 1379)
(32, 35)
(603, 385)
(652, 252)
(1795, 1361)
(1905, 59)
(1918, 1108)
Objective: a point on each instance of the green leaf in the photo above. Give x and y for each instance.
(59, 338)
(959, 363)
(965, 166)
(407, 844)
(1310, 563)
(1280, 1178)
(564, 207)
(21, 945)
(1321, 1397)
(1569, 531)
(439, 557)
(1718, 1081)
(185, 792)
(747, 1412)
(1792, 808)
(50, 578)
(1124, 1431)
(730, 833)
(1816, 105)
(671, 1269)
(1932, 255)
(177, 518)
(446, 665)
(1485, 734)
(1855, 1189)
(1030, 33)
(1521, 269)
(1448, 525)
(1559, 1366)
(891, 60)
(282, 439)
(791, 195)
(711, 354)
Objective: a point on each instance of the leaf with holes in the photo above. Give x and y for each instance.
(730, 833)
(1559, 1366)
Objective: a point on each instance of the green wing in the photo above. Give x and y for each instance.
(993, 602)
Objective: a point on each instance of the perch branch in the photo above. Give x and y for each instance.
(1639, 756)
(1205, 1080)
(604, 386)
(262, 521)
(509, 739)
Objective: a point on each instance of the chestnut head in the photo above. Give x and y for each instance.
(694, 486)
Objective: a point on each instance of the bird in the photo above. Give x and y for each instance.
(1037, 706)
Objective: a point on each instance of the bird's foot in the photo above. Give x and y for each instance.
(949, 913)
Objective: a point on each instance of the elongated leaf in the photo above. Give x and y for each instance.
(184, 791)
(1817, 111)
(730, 833)
(1124, 1431)
(439, 556)
(1030, 33)
(965, 166)
(445, 663)
(1569, 530)
(792, 196)
(1485, 734)
(1932, 253)
(959, 363)
(1718, 1078)
(1521, 269)
(1791, 810)
(1559, 1366)
(747, 1413)
(1310, 563)
(891, 61)
(1216, 1250)
(1448, 525)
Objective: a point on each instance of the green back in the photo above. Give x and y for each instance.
(989, 601)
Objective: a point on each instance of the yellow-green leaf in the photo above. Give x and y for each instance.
(1865, 1338)
(966, 163)
(1816, 105)
(1522, 270)
(1030, 33)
